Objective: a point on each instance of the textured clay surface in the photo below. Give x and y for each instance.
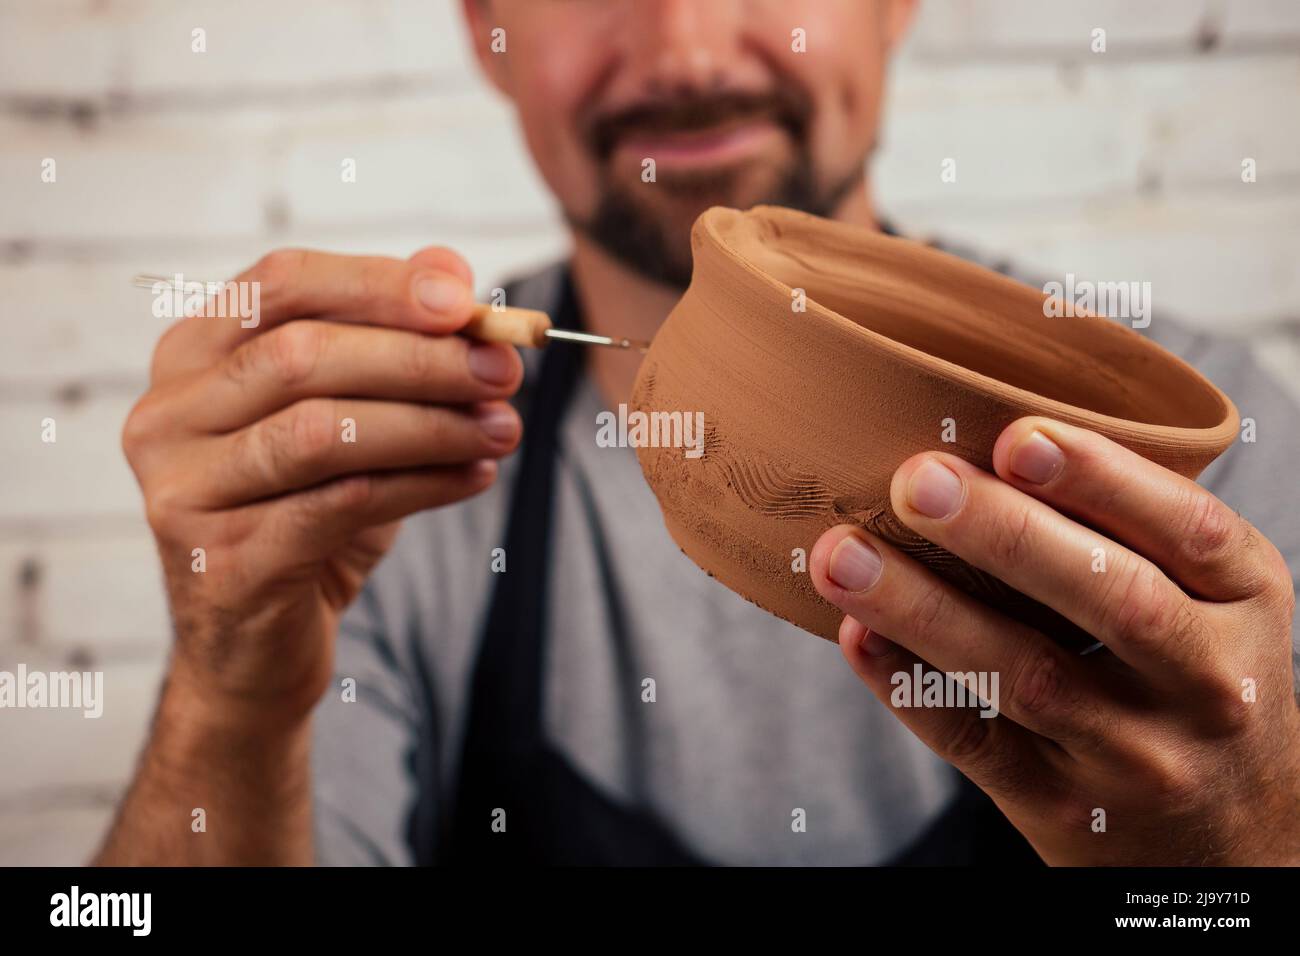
(808, 414)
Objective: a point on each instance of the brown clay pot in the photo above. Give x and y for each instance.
(808, 414)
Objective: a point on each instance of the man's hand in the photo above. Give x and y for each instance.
(1181, 736)
(288, 452)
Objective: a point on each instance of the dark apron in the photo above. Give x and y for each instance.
(552, 813)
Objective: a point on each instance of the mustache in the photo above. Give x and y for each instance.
(786, 105)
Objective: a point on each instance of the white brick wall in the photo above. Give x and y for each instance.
(1122, 165)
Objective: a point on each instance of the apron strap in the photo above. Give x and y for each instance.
(507, 690)
(503, 750)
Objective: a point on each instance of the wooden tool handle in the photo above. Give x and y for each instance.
(526, 327)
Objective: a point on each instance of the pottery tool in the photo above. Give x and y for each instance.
(529, 328)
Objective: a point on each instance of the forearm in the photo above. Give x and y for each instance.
(251, 783)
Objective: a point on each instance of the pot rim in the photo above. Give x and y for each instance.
(1216, 436)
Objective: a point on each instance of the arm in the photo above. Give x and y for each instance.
(215, 788)
(288, 452)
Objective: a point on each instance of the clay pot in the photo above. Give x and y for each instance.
(808, 414)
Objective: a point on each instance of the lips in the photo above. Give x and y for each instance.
(719, 144)
(702, 129)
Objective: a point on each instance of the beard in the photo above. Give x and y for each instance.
(646, 226)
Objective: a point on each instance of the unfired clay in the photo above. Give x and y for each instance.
(808, 414)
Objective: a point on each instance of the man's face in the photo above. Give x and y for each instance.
(736, 102)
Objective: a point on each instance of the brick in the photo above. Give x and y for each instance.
(1220, 261)
(1037, 131)
(989, 28)
(142, 48)
(446, 161)
(241, 173)
(65, 831)
(81, 476)
(38, 41)
(69, 321)
(79, 320)
(1015, 132)
(1201, 117)
(133, 178)
(253, 44)
(44, 749)
(97, 595)
(1271, 21)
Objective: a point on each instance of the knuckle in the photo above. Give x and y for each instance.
(1223, 705)
(163, 511)
(419, 362)
(1109, 499)
(1093, 726)
(1184, 629)
(247, 455)
(1040, 686)
(445, 429)
(1188, 632)
(140, 427)
(230, 534)
(279, 268)
(1164, 777)
(241, 364)
(1141, 615)
(292, 351)
(1210, 529)
(377, 281)
(1037, 682)
(311, 432)
(1152, 617)
(271, 453)
(285, 445)
(350, 493)
(1009, 537)
(930, 613)
(967, 740)
(354, 492)
(1225, 700)
(1278, 585)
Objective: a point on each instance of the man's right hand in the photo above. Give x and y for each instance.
(289, 452)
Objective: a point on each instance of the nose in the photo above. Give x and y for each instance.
(685, 44)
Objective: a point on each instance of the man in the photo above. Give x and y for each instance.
(343, 693)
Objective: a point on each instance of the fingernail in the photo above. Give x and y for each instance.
(854, 564)
(500, 424)
(935, 490)
(1037, 459)
(491, 363)
(441, 293)
(875, 645)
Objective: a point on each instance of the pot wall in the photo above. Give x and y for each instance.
(806, 420)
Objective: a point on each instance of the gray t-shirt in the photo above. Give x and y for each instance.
(753, 719)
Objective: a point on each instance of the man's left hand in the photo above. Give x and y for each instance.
(1179, 741)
